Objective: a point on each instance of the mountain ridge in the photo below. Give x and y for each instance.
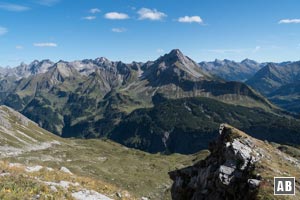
(279, 84)
(90, 98)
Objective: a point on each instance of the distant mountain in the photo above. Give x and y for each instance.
(287, 97)
(92, 98)
(273, 76)
(231, 70)
(239, 167)
(24, 70)
(174, 68)
(279, 83)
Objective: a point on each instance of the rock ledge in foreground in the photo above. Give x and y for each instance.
(227, 173)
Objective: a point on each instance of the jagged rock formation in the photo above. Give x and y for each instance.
(230, 171)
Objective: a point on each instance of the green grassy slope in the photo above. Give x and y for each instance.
(108, 166)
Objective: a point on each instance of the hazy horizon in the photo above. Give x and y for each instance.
(141, 31)
(56, 61)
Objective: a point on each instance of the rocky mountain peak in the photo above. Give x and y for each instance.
(102, 60)
(270, 66)
(176, 63)
(176, 52)
(227, 173)
(64, 69)
(219, 62)
(37, 67)
(249, 61)
(270, 70)
(35, 62)
(174, 56)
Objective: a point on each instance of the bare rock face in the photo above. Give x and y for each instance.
(227, 173)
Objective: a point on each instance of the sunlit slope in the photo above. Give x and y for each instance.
(102, 166)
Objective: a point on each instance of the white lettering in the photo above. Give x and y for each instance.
(280, 187)
(288, 186)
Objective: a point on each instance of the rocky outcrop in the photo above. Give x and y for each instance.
(227, 173)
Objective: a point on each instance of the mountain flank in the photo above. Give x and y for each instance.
(279, 83)
(187, 125)
(36, 164)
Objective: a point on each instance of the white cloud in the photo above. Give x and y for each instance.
(95, 10)
(89, 17)
(19, 47)
(190, 19)
(160, 51)
(289, 21)
(47, 2)
(13, 7)
(116, 15)
(256, 49)
(146, 13)
(3, 30)
(45, 44)
(118, 30)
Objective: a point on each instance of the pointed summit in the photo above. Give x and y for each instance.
(175, 66)
(269, 69)
(175, 54)
(248, 61)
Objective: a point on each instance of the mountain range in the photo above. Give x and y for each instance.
(230, 70)
(278, 82)
(151, 106)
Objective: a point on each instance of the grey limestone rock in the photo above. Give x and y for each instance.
(225, 174)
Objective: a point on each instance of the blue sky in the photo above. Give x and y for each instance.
(141, 30)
